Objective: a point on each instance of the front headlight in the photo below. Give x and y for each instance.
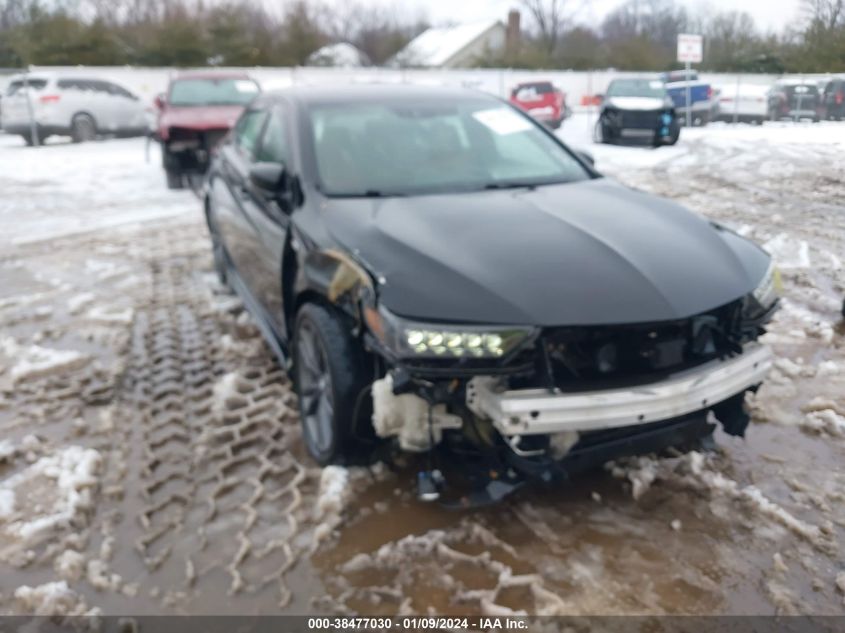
(411, 339)
(769, 288)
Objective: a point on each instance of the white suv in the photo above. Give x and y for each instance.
(79, 107)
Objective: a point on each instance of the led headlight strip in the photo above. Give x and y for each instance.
(770, 287)
(444, 342)
(410, 339)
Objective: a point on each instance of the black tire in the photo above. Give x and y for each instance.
(83, 128)
(175, 179)
(598, 133)
(218, 252)
(328, 382)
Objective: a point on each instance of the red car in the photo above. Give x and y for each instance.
(198, 110)
(542, 101)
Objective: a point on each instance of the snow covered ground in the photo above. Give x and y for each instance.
(151, 460)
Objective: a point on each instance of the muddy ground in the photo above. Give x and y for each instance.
(150, 454)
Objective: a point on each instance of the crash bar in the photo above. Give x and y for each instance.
(535, 411)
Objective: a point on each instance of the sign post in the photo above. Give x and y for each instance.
(690, 51)
(33, 126)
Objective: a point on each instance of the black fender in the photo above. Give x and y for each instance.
(327, 275)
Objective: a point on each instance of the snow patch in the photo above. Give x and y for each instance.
(52, 599)
(334, 491)
(35, 361)
(65, 479)
(334, 494)
(69, 565)
(224, 389)
(77, 302)
(788, 252)
(825, 421)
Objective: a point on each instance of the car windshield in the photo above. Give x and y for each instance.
(202, 92)
(636, 88)
(418, 147)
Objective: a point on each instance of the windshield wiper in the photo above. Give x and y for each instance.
(370, 193)
(510, 185)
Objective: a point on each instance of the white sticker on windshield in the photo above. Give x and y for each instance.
(245, 86)
(502, 121)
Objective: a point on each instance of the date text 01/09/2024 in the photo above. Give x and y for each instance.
(417, 623)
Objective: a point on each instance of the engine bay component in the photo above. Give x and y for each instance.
(406, 417)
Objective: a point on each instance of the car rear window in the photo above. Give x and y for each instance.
(17, 84)
(213, 91)
(803, 90)
(532, 92)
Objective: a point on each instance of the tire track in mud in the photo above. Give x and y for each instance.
(221, 488)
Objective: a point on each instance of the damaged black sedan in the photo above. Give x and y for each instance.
(442, 275)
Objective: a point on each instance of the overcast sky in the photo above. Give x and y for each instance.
(768, 14)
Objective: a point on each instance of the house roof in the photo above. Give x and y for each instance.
(436, 46)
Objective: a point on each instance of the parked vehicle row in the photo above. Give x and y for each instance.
(788, 99)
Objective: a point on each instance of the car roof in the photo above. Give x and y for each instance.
(364, 93)
(39, 75)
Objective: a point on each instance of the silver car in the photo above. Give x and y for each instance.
(76, 106)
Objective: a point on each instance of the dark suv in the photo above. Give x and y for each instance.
(795, 100)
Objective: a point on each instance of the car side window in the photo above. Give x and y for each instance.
(118, 91)
(274, 144)
(247, 131)
(99, 86)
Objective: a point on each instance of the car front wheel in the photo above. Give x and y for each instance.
(330, 373)
(598, 133)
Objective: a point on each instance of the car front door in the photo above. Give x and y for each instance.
(269, 220)
(103, 106)
(231, 197)
(129, 114)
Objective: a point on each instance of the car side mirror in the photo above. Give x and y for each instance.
(160, 101)
(587, 157)
(267, 177)
(271, 180)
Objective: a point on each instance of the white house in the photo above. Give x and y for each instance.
(453, 46)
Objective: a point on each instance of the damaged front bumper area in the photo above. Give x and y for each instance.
(566, 400)
(537, 411)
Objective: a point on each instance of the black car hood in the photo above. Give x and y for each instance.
(586, 253)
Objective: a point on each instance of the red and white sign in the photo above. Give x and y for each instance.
(690, 48)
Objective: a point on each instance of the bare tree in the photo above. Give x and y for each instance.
(825, 14)
(552, 18)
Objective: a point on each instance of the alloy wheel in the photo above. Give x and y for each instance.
(315, 390)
